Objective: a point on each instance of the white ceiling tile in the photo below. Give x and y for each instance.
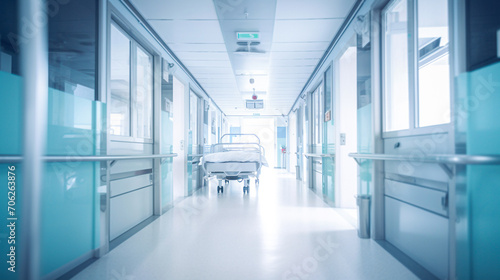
(300, 9)
(297, 55)
(293, 62)
(302, 46)
(197, 47)
(316, 30)
(202, 31)
(207, 63)
(202, 55)
(175, 9)
(211, 70)
(302, 32)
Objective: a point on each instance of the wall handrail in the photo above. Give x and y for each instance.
(70, 158)
(438, 158)
(319, 155)
(195, 155)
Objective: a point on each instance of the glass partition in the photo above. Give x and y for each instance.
(477, 191)
(73, 47)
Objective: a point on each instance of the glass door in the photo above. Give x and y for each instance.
(194, 148)
(316, 138)
(131, 131)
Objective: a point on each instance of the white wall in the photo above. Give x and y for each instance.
(346, 169)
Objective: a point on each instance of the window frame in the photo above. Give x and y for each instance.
(135, 44)
(311, 111)
(413, 78)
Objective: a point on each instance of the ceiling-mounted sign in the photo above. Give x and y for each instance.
(248, 36)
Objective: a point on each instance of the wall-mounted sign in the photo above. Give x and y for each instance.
(328, 116)
(248, 36)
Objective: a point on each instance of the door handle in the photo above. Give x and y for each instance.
(444, 201)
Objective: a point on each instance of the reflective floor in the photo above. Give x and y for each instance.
(281, 230)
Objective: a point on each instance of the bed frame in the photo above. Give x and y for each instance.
(235, 169)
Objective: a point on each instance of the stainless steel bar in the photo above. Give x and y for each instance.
(34, 68)
(16, 159)
(320, 155)
(195, 155)
(11, 159)
(441, 159)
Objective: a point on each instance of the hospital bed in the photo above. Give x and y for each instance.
(235, 160)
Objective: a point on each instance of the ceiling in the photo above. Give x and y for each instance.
(294, 34)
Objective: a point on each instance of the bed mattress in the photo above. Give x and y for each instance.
(234, 157)
(230, 167)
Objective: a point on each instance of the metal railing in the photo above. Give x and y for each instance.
(440, 159)
(307, 155)
(70, 158)
(195, 158)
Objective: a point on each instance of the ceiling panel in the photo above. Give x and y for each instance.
(302, 46)
(313, 30)
(294, 36)
(202, 55)
(296, 55)
(293, 62)
(300, 9)
(175, 9)
(198, 31)
(207, 64)
(198, 47)
(211, 70)
(293, 70)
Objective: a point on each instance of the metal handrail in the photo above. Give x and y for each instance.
(320, 155)
(440, 159)
(195, 155)
(70, 158)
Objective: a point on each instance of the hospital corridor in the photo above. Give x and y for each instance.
(249, 139)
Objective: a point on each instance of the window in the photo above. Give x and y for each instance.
(433, 68)
(193, 120)
(425, 81)
(396, 91)
(328, 77)
(318, 115)
(120, 83)
(144, 90)
(131, 84)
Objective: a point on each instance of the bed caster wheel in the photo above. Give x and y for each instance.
(220, 189)
(246, 189)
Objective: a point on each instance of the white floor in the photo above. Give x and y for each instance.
(279, 231)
